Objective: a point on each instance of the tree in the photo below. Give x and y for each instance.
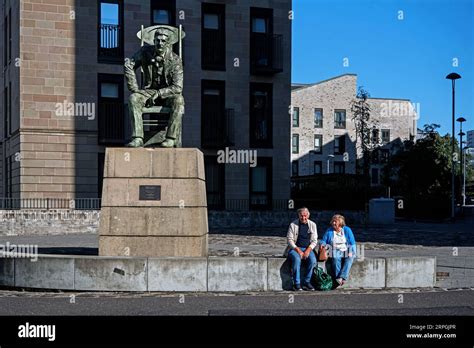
(364, 127)
(421, 173)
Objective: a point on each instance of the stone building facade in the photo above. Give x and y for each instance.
(65, 99)
(323, 132)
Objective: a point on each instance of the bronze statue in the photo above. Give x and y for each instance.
(162, 84)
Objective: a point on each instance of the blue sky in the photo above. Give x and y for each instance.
(393, 58)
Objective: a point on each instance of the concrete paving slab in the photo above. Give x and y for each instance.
(410, 272)
(237, 274)
(7, 272)
(48, 272)
(177, 274)
(110, 274)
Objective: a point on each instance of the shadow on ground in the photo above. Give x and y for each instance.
(460, 233)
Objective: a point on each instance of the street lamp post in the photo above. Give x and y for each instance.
(461, 134)
(329, 157)
(453, 77)
(464, 178)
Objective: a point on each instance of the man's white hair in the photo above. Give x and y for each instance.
(300, 210)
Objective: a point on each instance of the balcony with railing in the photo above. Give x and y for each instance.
(266, 54)
(110, 43)
(111, 123)
(218, 131)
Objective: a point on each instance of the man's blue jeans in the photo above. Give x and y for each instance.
(296, 265)
(341, 265)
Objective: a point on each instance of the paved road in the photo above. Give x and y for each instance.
(334, 303)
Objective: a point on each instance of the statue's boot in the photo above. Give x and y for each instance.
(136, 142)
(167, 143)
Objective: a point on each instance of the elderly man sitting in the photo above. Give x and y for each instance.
(302, 239)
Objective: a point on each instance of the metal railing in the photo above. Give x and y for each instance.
(111, 122)
(218, 130)
(50, 203)
(213, 53)
(266, 53)
(110, 44)
(250, 204)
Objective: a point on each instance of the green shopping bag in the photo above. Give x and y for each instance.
(321, 279)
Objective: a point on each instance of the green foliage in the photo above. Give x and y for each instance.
(421, 173)
(364, 125)
(333, 191)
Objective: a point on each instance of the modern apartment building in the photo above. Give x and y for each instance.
(470, 138)
(64, 98)
(323, 132)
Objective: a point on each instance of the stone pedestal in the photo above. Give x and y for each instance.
(153, 203)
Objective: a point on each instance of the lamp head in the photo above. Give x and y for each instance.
(453, 76)
(461, 119)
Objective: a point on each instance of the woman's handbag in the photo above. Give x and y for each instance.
(322, 253)
(321, 279)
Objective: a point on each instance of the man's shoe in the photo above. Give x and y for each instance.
(167, 143)
(308, 287)
(297, 287)
(136, 142)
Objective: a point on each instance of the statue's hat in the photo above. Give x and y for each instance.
(149, 33)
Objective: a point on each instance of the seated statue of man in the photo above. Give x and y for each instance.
(162, 83)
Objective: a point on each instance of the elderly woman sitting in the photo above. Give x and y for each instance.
(342, 248)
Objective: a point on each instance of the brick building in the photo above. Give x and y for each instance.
(64, 96)
(323, 133)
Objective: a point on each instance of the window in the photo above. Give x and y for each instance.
(8, 176)
(339, 144)
(213, 37)
(340, 119)
(111, 122)
(260, 24)
(296, 117)
(339, 167)
(375, 176)
(294, 168)
(375, 156)
(5, 41)
(375, 136)
(318, 167)
(110, 31)
(295, 144)
(318, 118)
(163, 12)
(6, 112)
(261, 114)
(212, 113)
(266, 49)
(318, 143)
(215, 183)
(384, 155)
(261, 184)
(9, 35)
(385, 136)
